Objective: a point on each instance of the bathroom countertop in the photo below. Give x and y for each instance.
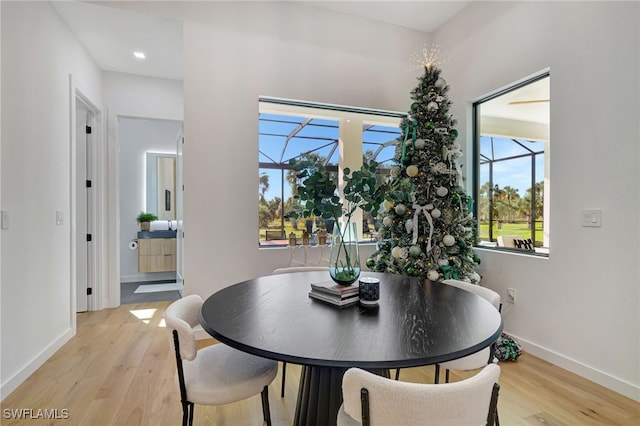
(157, 234)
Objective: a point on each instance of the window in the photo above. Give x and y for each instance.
(334, 135)
(512, 182)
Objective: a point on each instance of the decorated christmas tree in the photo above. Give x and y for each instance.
(428, 227)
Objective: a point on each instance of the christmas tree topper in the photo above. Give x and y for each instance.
(428, 57)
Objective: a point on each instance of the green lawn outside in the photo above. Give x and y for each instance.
(520, 229)
(288, 228)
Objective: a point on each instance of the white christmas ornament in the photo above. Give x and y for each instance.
(415, 251)
(399, 252)
(474, 277)
(388, 205)
(408, 225)
(412, 170)
(387, 221)
(440, 168)
(442, 191)
(440, 83)
(448, 240)
(443, 262)
(433, 275)
(419, 143)
(432, 106)
(401, 209)
(436, 213)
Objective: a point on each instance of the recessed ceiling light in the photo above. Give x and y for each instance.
(139, 55)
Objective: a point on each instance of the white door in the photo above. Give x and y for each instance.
(84, 202)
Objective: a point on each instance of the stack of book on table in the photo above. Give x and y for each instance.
(338, 295)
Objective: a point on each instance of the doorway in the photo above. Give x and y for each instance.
(147, 184)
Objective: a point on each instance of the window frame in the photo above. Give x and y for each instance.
(477, 163)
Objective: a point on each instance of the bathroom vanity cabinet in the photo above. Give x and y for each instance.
(156, 254)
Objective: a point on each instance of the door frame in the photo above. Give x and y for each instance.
(79, 96)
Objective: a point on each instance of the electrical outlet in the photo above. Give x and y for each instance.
(511, 295)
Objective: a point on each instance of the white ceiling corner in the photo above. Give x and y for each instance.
(421, 15)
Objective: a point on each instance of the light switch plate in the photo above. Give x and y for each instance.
(592, 217)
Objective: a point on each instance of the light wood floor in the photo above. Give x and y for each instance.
(119, 370)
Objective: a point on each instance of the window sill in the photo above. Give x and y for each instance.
(539, 252)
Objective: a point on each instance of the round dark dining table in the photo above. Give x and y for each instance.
(416, 323)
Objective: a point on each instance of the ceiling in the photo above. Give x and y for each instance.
(110, 34)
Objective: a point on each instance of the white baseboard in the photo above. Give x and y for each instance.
(18, 378)
(616, 384)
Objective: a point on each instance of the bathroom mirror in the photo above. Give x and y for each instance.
(161, 185)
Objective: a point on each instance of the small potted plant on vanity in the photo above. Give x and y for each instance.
(144, 219)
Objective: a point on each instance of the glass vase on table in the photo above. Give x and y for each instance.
(344, 262)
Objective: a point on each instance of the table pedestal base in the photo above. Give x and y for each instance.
(320, 395)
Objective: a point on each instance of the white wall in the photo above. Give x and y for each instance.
(580, 307)
(128, 95)
(235, 52)
(36, 288)
(138, 136)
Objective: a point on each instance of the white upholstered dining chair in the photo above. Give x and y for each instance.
(478, 359)
(216, 374)
(372, 400)
(287, 270)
